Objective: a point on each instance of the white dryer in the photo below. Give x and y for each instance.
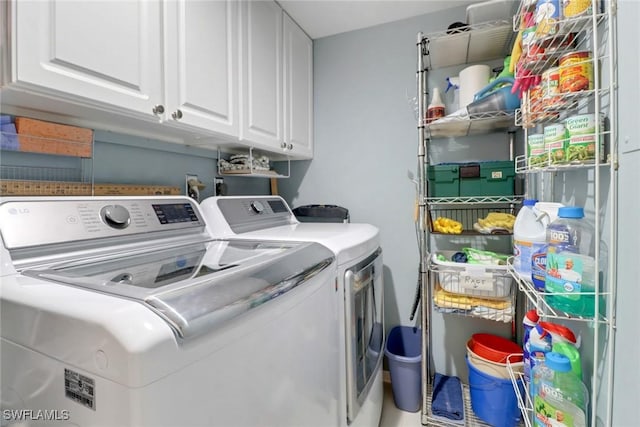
(358, 293)
(126, 312)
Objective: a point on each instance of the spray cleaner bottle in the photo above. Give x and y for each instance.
(435, 110)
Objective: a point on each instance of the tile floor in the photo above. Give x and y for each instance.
(394, 417)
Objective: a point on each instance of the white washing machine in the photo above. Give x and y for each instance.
(126, 312)
(359, 288)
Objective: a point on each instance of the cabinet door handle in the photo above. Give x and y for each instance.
(283, 145)
(290, 147)
(158, 109)
(176, 115)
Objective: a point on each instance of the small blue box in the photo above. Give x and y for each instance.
(9, 137)
(5, 119)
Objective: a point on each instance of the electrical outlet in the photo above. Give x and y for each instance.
(190, 191)
(219, 187)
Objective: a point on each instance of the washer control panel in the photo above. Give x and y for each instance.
(116, 216)
(34, 222)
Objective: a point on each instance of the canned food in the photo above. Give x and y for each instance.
(582, 139)
(551, 86)
(576, 72)
(532, 106)
(536, 153)
(555, 139)
(573, 8)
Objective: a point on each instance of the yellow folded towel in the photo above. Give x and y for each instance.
(446, 299)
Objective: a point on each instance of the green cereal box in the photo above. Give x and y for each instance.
(536, 153)
(582, 139)
(555, 141)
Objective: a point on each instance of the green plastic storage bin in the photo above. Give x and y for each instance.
(444, 180)
(487, 179)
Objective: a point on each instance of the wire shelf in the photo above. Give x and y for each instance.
(522, 393)
(465, 200)
(474, 43)
(473, 290)
(543, 51)
(554, 109)
(250, 163)
(468, 218)
(38, 173)
(546, 165)
(471, 124)
(470, 418)
(539, 299)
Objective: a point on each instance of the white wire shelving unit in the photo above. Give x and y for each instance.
(594, 32)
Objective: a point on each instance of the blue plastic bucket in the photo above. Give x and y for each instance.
(493, 399)
(404, 354)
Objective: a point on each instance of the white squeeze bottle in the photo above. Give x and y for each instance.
(529, 235)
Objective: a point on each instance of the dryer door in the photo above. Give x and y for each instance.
(365, 329)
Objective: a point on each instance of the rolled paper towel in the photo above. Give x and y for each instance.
(472, 79)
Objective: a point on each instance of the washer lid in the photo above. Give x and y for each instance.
(197, 287)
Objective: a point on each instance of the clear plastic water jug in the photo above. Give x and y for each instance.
(570, 265)
(560, 398)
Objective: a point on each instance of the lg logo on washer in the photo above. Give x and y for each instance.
(19, 211)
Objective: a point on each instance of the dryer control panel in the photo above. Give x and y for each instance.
(43, 221)
(244, 214)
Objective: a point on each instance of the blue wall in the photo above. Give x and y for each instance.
(365, 158)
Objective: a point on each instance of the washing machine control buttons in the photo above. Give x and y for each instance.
(257, 206)
(115, 216)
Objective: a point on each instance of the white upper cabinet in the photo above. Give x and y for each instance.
(298, 90)
(261, 65)
(277, 81)
(201, 40)
(103, 51)
(239, 72)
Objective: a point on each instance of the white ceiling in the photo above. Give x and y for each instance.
(321, 18)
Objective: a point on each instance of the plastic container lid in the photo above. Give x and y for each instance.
(529, 202)
(559, 332)
(531, 318)
(557, 362)
(571, 212)
(495, 348)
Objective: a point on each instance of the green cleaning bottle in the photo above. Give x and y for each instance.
(560, 398)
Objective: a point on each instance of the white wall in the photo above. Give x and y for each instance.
(366, 143)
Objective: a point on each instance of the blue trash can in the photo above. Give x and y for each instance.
(404, 354)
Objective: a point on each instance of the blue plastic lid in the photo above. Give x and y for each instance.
(571, 212)
(529, 202)
(557, 362)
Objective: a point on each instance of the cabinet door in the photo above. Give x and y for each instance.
(298, 90)
(261, 66)
(98, 51)
(201, 39)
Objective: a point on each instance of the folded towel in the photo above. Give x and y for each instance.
(447, 399)
(446, 299)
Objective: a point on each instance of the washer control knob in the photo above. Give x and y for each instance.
(257, 206)
(115, 216)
